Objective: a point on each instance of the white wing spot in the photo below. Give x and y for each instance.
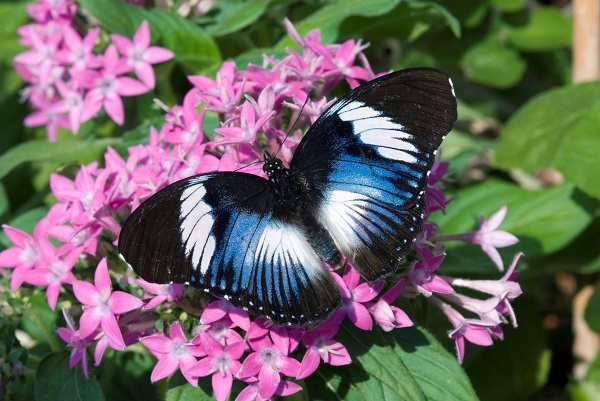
(379, 131)
(287, 243)
(340, 213)
(196, 225)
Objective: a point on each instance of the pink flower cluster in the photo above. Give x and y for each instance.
(252, 106)
(68, 81)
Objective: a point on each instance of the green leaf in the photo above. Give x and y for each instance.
(557, 130)
(459, 142)
(72, 151)
(546, 29)
(12, 16)
(233, 15)
(404, 364)
(493, 64)
(39, 321)
(509, 5)
(329, 17)
(512, 369)
(4, 203)
(192, 46)
(125, 376)
(544, 221)
(592, 310)
(470, 13)
(181, 390)
(56, 381)
(584, 391)
(408, 21)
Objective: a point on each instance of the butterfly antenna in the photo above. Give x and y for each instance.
(248, 165)
(293, 125)
(284, 139)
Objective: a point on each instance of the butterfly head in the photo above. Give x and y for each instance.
(273, 166)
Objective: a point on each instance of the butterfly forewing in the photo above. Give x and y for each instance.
(217, 232)
(367, 159)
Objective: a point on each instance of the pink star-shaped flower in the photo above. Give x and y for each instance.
(162, 293)
(107, 86)
(267, 363)
(55, 272)
(139, 55)
(102, 306)
(354, 295)
(320, 344)
(79, 344)
(26, 254)
(222, 363)
(388, 316)
(173, 352)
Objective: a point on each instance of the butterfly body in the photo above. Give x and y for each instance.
(354, 186)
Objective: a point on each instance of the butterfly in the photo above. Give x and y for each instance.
(354, 186)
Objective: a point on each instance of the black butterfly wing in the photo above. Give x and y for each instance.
(366, 161)
(219, 232)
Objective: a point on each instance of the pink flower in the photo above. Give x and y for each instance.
(267, 363)
(222, 94)
(475, 331)
(173, 352)
(26, 254)
(342, 62)
(50, 9)
(139, 54)
(78, 51)
(222, 363)
(163, 292)
(287, 339)
(320, 345)
(222, 330)
(79, 343)
(41, 56)
(248, 128)
(422, 275)
(45, 115)
(503, 290)
(72, 103)
(220, 308)
(252, 391)
(107, 86)
(56, 272)
(102, 306)
(388, 316)
(353, 297)
(488, 237)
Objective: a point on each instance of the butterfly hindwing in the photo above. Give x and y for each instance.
(218, 232)
(366, 161)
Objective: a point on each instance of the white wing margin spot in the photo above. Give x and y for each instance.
(373, 128)
(196, 225)
(286, 243)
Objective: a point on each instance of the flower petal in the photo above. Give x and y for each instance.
(123, 302)
(164, 367)
(85, 293)
(101, 277)
(268, 381)
(310, 363)
(88, 322)
(221, 384)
